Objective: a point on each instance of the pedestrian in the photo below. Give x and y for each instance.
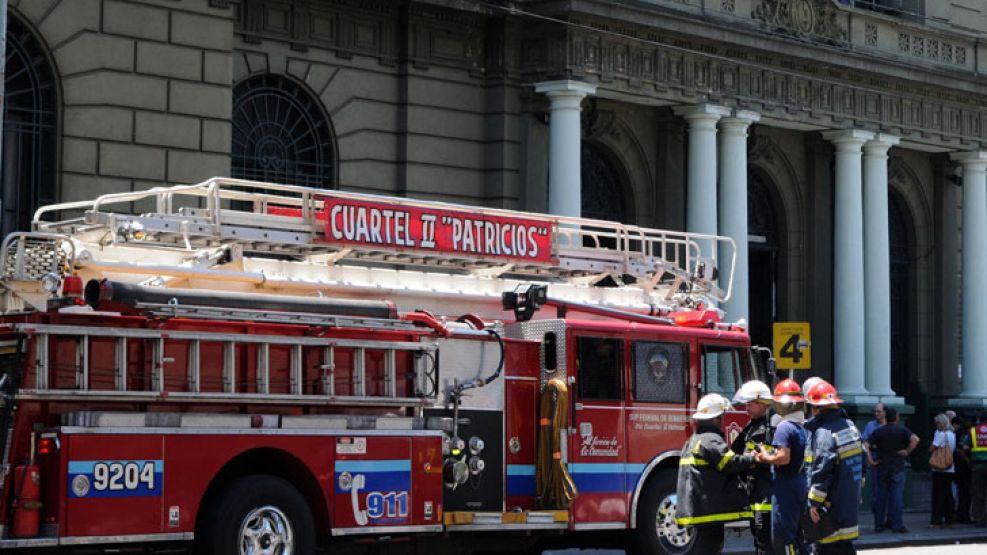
(710, 491)
(942, 478)
(788, 478)
(961, 462)
(879, 420)
(975, 443)
(892, 443)
(755, 395)
(834, 467)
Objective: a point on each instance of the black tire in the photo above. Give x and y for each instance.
(263, 509)
(656, 531)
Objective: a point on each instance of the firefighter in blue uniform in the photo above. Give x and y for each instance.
(788, 485)
(834, 462)
(710, 491)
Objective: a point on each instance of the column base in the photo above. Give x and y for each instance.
(968, 402)
(860, 399)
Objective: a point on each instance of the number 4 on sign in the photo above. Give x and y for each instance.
(792, 345)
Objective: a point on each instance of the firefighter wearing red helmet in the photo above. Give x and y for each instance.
(710, 491)
(755, 395)
(834, 462)
(788, 478)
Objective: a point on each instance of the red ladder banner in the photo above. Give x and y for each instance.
(437, 231)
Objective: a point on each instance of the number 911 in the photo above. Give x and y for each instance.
(120, 476)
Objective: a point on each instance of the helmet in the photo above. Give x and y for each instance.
(753, 390)
(788, 391)
(807, 384)
(711, 406)
(823, 394)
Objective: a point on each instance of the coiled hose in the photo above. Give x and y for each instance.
(555, 487)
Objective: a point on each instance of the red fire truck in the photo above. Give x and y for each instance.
(257, 368)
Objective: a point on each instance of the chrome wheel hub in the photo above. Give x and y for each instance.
(668, 531)
(266, 531)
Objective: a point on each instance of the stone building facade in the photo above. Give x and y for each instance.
(842, 143)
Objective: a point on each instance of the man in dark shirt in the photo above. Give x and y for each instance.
(890, 444)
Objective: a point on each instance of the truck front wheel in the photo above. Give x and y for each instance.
(258, 515)
(656, 529)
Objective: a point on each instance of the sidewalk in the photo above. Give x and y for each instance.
(917, 523)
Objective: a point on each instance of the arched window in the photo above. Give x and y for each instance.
(281, 134)
(603, 194)
(29, 133)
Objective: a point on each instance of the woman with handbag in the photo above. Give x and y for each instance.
(941, 462)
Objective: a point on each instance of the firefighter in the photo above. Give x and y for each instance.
(755, 395)
(806, 386)
(976, 444)
(788, 477)
(834, 461)
(710, 489)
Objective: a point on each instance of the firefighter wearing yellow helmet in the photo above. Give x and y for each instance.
(756, 397)
(710, 491)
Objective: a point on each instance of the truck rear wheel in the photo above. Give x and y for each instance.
(656, 529)
(258, 515)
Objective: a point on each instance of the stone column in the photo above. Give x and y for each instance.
(564, 183)
(848, 266)
(700, 209)
(732, 208)
(974, 276)
(877, 273)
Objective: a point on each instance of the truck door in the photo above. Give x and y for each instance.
(722, 372)
(597, 447)
(657, 419)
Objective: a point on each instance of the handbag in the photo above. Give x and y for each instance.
(942, 458)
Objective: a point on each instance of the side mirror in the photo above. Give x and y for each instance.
(763, 355)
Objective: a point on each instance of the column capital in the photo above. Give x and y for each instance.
(975, 160)
(880, 144)
(848, 140)
(565, 87)
(738, 122)
(710, 112)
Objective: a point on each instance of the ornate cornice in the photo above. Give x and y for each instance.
(641, 62)
(817, 19)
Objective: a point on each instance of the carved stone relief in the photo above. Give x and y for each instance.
(818, 19)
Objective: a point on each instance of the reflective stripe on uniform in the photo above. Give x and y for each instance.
(846, 453)
(760, 507)
(722, 517)
(817, 495)
(692, 461)
(726, 458)
(841, 535)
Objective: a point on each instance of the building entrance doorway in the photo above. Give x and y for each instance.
(763, 247)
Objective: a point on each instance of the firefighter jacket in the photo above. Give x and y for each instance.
(710, 487)
(757, 434)
(834, 463)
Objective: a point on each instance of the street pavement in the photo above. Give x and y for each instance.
(919, 534)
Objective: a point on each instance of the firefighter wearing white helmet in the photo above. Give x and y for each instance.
(756, 396)
(710, 490)
(806, 386)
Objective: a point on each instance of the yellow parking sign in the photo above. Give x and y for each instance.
(792, 345)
